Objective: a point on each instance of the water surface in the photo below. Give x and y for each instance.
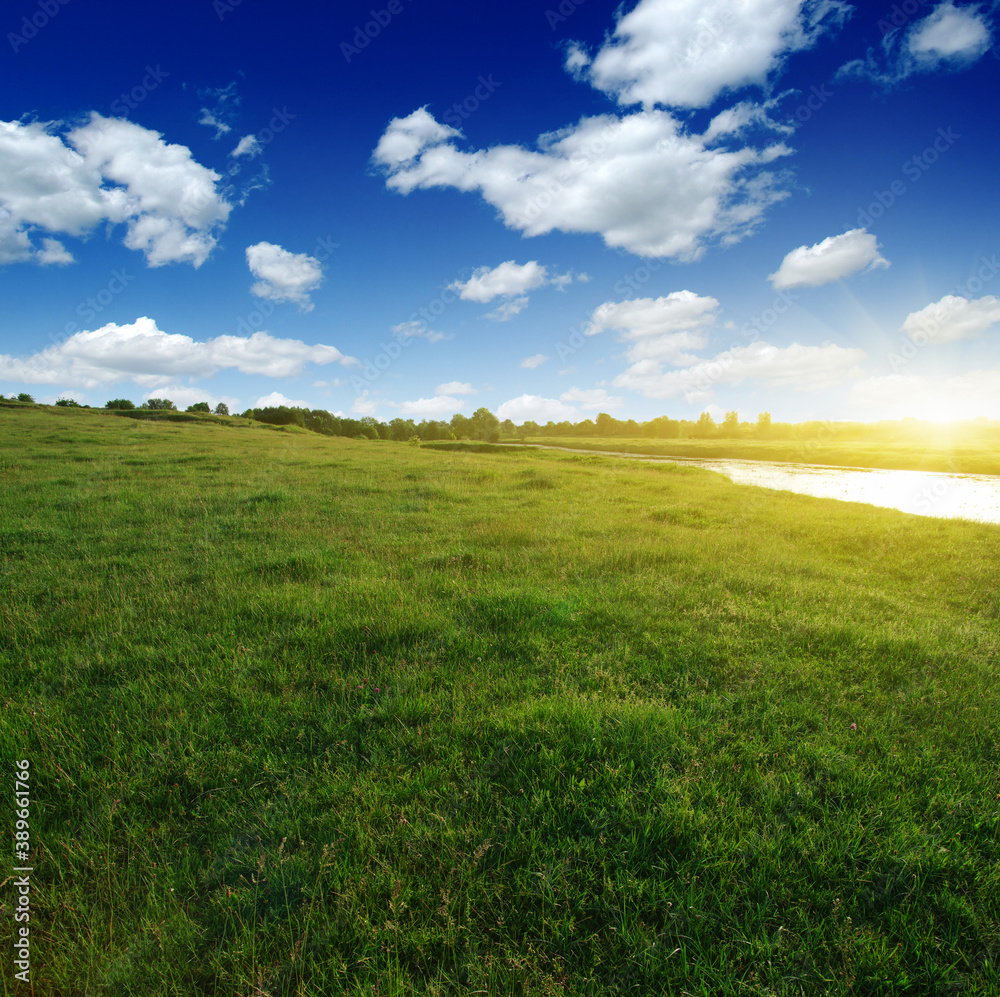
(923, 493)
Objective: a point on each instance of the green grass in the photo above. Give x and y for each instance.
(313, 716)
(936, 454)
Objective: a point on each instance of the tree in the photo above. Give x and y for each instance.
(461, 426)
(121, 404)
(159, 405)
(67, 403)
(222, 409)
(507, 427)
(705, 425)
(605, 424)
(25, 397)
(764, 423)
(199, 407)
(485, 426)
(731, 424)
(528, 428)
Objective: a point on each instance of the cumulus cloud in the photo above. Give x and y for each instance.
(148, 356)
(661, 329)
(54, 252)
(532, 362)
(108, 170)
(641, 182)
(276, 399)
(949, 33)
(284, 276)
(592, 399)
(832, 259)
(685, 53)
(805, 368)
(507, 279)
(455, 388)
(432, 408)
(949, 38)
(953, 318)
(247, 146)
(537, 409)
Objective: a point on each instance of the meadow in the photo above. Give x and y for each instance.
(317, 716)
(935, 453)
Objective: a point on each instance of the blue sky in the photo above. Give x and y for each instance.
(548, 208)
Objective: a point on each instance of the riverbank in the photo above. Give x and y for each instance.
(980, 458)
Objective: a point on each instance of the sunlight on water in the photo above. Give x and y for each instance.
(924, 493)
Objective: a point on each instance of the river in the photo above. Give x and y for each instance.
(922, 493)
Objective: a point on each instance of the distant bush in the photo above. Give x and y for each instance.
(199, 407)
(121, 404)
(25, 397)
(159, 405)
(222, 409)
(67, 403)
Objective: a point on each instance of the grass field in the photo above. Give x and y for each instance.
(937, 454)
(316, 716)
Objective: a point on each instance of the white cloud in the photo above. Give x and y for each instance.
(108, 170)
(661, 329)
(638, 318)
(148, 356)
(685, 53)
(209, 119)
(949, 37)
(805, 368)
(455, 388)
(950, 33)
(405, 138)
(432, 408)
(364, 405)
(54, 252)
(284, 276)
(418, 328)
(508, 309)
(592, 399)
(532, 362)
(507, 279)
(832, 259)
(248, 146)
(953, 318)
(641, 182)
(276, 399)
(537, 409)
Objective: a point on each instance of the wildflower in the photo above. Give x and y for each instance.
(854, 726)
